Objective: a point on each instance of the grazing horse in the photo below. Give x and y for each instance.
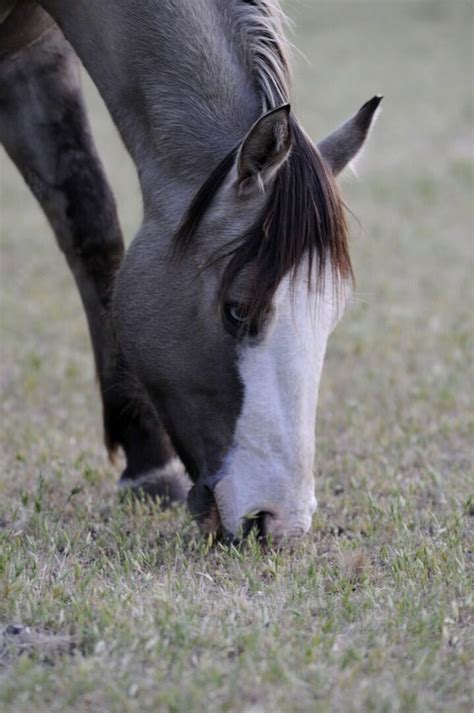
(209, 334)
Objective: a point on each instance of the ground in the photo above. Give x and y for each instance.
(125, 608)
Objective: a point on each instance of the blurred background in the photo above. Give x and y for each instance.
(397, 387)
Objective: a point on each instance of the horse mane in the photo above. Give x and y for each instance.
(304, 213)
(260, 25)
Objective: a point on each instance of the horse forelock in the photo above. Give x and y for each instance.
(303, 216)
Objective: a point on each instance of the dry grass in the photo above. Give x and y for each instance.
(129, 609)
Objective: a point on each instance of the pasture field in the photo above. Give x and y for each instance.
(127, 608)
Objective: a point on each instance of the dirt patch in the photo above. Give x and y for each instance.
(17, 640)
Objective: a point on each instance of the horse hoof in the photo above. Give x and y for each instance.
(169, 484)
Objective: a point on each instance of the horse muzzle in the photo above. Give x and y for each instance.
(222, 507)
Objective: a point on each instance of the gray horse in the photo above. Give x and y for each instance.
(209, 334)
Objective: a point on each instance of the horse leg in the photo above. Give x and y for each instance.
(45, 131)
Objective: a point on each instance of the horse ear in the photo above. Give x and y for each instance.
(346, 142)
(264, 149)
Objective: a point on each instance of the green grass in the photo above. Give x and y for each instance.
(127, 607)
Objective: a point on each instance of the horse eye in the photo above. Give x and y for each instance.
(239, 321)
(237, 313)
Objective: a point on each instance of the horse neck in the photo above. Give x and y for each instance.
(172, 78)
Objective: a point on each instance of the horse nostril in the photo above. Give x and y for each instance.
(253, 523)
(261, 524)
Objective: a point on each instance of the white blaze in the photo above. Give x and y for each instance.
(270, 466)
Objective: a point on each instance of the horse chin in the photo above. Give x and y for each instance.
(203, 508)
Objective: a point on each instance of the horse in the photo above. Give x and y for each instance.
(209, 332)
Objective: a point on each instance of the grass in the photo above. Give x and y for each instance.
(120, 607)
